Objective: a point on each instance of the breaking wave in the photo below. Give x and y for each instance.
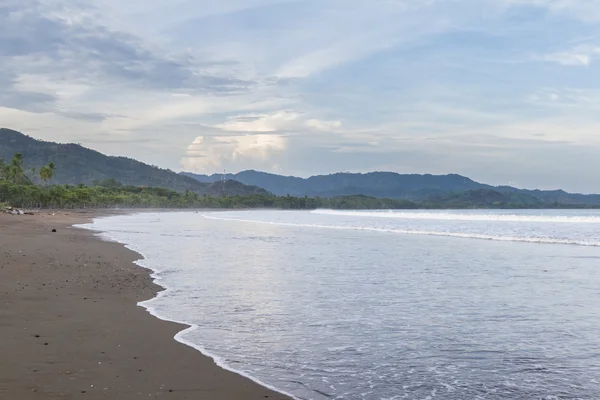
(423, 232)
(454, 216)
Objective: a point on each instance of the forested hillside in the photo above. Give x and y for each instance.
(76, 164)
(418, 188)
(35, 189)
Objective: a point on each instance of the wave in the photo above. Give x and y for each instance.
(147, 304)
(465, 235)
(453, 216)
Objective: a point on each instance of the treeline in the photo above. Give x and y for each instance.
(14, 172)
(81, 196)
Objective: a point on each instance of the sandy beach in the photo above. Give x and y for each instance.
(70, 326)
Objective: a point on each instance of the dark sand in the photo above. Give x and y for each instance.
(70, 327)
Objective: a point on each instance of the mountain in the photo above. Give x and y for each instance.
(76, 164)
(413, 187)
(376, 184)
(556, 196)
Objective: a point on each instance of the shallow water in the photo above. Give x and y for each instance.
(384, 305)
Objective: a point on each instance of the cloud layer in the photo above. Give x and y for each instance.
(504, 91)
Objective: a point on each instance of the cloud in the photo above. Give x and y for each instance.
(306, 87)
(266, 142)
(323, 125)
(562, 99)
(89, 116)
(211, 154)
(65, 44)
(280, 120)
(580, 56)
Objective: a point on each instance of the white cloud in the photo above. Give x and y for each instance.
(323, 125)
(569, 59)
(580, 56)
(211, 154)
(280, 120)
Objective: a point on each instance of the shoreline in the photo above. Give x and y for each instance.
(73, 324)
(179, 337)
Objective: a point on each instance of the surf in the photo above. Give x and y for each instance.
(421, 232)
(460, 216)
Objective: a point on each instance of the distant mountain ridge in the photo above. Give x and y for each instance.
(76, 164)
(413, 187)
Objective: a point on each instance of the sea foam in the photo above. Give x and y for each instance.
(464, 235)
(465, 216)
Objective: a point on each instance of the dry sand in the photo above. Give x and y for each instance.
(70, 327)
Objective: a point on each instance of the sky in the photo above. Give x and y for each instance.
(501, 91)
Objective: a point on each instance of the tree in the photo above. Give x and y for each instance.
(47, 172)
(52, 168)
(108, 183)
(33, 174)
(16, 172)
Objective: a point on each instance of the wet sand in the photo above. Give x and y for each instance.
(70, 327)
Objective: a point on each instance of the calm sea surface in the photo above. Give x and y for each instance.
(384, 305)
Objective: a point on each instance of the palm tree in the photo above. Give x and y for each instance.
(15, 171)
(46, 172)
(52, 168)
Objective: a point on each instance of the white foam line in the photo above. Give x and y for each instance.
(419, 232)
(592, 219)
(191, 327)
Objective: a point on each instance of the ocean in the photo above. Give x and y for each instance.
(451, 305)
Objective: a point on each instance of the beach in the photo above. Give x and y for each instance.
(70, 326)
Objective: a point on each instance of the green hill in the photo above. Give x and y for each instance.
(76, 164)
(484, 198)
(427, 188)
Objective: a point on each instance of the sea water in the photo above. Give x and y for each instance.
(449, 305)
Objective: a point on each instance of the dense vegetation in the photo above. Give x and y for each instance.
(76, 164)
(110, 193)
(418, 188)
(81, 196)
(65, 196)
